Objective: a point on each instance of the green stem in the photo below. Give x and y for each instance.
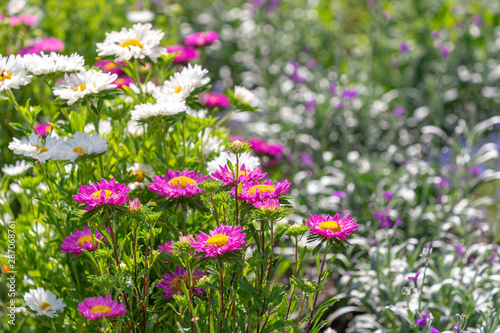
(316, 294)
(11, 97)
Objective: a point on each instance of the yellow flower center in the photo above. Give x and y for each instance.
(100, 309)
(83, 239)
(139, 175)
(110, 66)
(181, 181)
(97, 194)
(42, 150)
(330, 225)
(176, 284)
(45, 305)
(82, 87)
(261, 188)
(219, 240)
(5, 75)
(131, 42)
(178, 90)
(241, 173)
(78, 150)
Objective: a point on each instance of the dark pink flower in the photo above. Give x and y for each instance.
(399, 111)
(28, 19)
(122, 81)
(219, 241)
(50, 44)
(270, 205)
(201, 38)
(225, 175)
(172, 282)
(332, 227)
(110, 66)
(214, 100)
(185, 54)
(413, 278)
(102, 193)
(81, 240)
(43, 129)
(166, 247)
(97, 307)
(261, 146)
(254, 191)
(177, 184)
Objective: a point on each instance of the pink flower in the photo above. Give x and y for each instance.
(261, 146)
(122, 81)
(30, 50)
(219, 241)
(413, 278)
(50, 44)
(110, 66)
(28, 19)
(97, 307)
(214, 100)
(177, 184)
(166, 247)
(185, 53)
(42, 129)
(254, 191)
(134, 205)
(225, 175)
(15, 20)
(81, 240)
(172, 285)
(332, 227)
(103, 193)
(270, 205)
(201, 38)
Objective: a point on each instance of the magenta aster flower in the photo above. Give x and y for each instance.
(172, 285)
(42, 129)
(332, 227)
(225, 175)
(97, 307)
(81, 240)
(201, 38)
(103, 193)
(110, 66)
(214, 100)
(50, 44)
(219, 241)
(166, 247)
(271, 205)
(177, 184)
(254, 191)
(122, 81)
(185, 54)
(261, 146)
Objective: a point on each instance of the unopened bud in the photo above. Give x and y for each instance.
(134, 205)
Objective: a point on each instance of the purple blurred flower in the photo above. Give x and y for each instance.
(306, 160)
(339, 194)
(433, 330)
(399, 111)
(442, 182)
(340, 105)
(310, 105)
(422, 322)
(478, 21)
(214, 100)
(413, 278)
(475, 171)
(185, 54)
(435, 34)
(460, 250)
(349, 94)
(333, 89)
(388, 195)
(404, 48)
(199, 39)
(445, 52)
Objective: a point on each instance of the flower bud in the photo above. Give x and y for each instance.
(134, 205)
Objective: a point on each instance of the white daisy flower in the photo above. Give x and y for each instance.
(104, 127)
(83, 144)
(15, 6)
(44, 302)
(138, 42)
(164, 107)
(16, 169)
(210, 142)
(12, 73)
(149, 88)
(135, 128)
(181, 85)
(244, 95)
(250, 162)
(140, 16)
(52, 63)
(140, 170)
(33, 147)
(78, 85)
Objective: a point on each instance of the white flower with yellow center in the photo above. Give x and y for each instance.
(181, 85)
(33, 147)
(44, 302)
(16, 169)
(244, 95)
(78, 85)
(12, 73)
(82, 145)
(52, 63)
(250, 162)
(164, 107)
(140, 170)
(138, 42)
